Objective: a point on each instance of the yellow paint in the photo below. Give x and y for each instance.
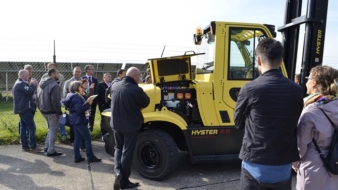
(167, 116)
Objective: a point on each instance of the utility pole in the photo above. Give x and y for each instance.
(54, 56)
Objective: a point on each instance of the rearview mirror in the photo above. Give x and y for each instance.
(246, 42)
(197, 39)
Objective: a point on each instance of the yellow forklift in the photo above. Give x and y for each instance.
(196, 115)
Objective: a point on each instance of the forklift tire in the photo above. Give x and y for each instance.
(156, 154)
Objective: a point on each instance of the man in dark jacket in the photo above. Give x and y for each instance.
(127, 101)
(89, 69)
(24, 106)
(101, 98)
(269, 108)
(49, 97)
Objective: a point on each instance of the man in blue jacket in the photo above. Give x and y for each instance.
(24, 106)
(268, 108)
(127, 101)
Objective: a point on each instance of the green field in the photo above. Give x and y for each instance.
(9, 125)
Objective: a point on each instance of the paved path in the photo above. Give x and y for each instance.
(22, 170)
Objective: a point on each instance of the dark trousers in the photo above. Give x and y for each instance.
(102, 108)
(71, 130)
(72, 137)
(92, 115)
(124, 150)
(248, 182)
(27, 124)
(103, 132)
(81, 132)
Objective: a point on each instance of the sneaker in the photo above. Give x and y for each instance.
(36, 149)
(95, 159)
(55, 154)
(26, 149)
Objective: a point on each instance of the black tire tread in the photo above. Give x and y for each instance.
(171, 148)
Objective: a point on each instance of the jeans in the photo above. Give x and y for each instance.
(63, 131)
(248, 182)
(27, 124)
(81, 130)
(123, 156)
(19, 129)
(72, 137)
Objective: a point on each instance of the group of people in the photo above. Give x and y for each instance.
(52, 92)
(280, 126)
(46, 95)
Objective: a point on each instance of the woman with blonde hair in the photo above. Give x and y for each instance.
(75, 104)
(313, 124)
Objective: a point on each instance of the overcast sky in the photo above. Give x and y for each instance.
(113, 31)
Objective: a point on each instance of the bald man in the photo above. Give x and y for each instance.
(127, 101)
(24, 106)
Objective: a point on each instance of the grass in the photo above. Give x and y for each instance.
(9, 125)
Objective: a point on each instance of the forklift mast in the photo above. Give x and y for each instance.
(315, 25)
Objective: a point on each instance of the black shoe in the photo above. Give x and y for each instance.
(130, 185)
(94, 159)
(55, 154)
(117, 183)
(26, 149)
(79, 160)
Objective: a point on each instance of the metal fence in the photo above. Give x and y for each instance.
(9, 74)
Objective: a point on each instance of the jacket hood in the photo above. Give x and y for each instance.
(331, 109)
(46, 82)
(67, 100)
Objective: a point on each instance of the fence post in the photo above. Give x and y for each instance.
(6, 86)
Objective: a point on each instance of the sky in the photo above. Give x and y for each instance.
(129, 30)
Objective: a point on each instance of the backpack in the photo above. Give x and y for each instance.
(331, 160)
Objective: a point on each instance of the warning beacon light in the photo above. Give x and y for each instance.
(198, 36)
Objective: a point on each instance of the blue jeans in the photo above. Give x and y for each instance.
(27, 124)
(81, 130)
(63, 130)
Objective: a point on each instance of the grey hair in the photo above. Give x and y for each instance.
(74, 86)
(28, 67)
(105, 74)
(22, 72)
